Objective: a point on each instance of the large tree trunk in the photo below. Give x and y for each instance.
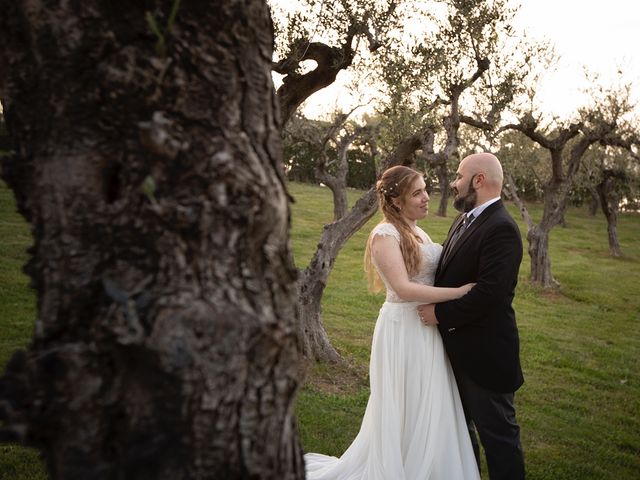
(149, 167)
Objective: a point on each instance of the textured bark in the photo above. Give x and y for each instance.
(538, 240)
(149, 167)
(556, 193)
(314, 339)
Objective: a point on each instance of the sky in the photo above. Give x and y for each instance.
(601, 35)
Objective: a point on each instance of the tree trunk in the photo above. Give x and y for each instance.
(563, 220)
(555, 202)
(538, 239)
(340, 201)
(149, 167)
(443, 180)
(338, 187)
(612, 232)
(594, 202)
(337, 181)
(315, 341)
(609, 204)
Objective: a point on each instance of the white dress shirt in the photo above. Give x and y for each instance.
(480, 208)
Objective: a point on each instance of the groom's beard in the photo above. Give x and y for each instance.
(467, 202)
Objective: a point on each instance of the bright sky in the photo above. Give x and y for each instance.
(601, 35)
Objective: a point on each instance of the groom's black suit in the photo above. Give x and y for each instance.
(480, 334)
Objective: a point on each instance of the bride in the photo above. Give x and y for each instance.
(414, 426)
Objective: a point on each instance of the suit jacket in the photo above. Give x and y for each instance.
(479, 330)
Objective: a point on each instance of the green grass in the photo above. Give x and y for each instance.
(580, 406)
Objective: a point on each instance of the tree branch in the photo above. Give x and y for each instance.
(626, 144)
(477, 123)
(296, 88)
(528, 130)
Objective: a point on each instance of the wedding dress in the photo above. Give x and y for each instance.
(413, 427)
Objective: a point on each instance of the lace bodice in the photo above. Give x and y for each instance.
(430, 253)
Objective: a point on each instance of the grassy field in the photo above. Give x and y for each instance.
(580, 406)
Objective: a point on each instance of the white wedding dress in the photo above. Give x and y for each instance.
(414, 426)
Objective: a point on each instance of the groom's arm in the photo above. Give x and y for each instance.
(498, 264)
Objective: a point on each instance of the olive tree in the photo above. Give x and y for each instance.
(604, 122)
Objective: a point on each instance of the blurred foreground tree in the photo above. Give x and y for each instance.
(148, 163)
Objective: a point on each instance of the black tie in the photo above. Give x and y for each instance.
(460, 229)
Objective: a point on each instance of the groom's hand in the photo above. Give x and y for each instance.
(427, 314)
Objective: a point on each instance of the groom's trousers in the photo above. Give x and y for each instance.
(494, 417)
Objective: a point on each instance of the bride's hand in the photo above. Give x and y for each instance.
(464, 289)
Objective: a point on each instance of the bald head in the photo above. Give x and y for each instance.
(487, 164)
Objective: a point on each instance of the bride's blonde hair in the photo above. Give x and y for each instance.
(395, 182)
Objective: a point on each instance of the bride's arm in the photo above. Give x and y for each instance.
(386, 252)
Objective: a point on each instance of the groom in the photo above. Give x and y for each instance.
(479, 330)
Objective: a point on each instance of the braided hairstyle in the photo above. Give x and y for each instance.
(395, 183)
